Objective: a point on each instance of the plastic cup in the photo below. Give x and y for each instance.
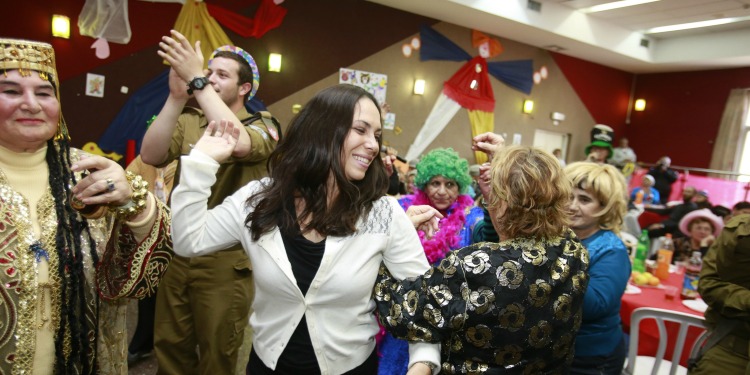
(671, 292)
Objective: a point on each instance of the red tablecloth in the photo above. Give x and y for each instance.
(648, 341)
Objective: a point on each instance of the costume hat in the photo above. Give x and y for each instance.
(27, 55)
(602, 136)
(704, 213)
(250, 61)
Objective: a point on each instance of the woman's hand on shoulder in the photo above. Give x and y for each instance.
(425, 218)
(219, 141)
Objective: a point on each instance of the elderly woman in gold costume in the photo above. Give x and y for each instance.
(502, 308)
(77, 234)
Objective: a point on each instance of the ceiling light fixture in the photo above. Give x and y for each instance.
(614, 5)
(695, 25)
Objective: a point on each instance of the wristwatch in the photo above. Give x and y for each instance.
(198, 83)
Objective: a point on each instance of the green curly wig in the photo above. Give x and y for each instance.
(444, 162)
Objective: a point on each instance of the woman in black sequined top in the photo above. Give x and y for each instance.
(512, 307)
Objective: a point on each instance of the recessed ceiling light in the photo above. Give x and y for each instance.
(614, 5)
(695, 25)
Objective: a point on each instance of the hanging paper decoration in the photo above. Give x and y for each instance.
(195, 23)
(268, 16)
(469, 87)
(106, 19)
(413, 45)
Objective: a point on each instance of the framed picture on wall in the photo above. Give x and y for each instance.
(374, 83)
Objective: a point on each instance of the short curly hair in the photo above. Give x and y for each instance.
(443, 162)
(537, 193)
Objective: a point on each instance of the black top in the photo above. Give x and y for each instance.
(298, 357)
(305, 257)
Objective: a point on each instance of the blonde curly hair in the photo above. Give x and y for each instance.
(607, 185)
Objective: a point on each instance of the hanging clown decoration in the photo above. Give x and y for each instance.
(469, 87)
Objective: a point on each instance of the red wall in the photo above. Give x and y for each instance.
(603, 90)
(683, 114)
(683, 109)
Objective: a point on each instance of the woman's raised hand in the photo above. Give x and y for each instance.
(218, 141)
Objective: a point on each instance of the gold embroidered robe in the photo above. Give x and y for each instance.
(126, 269)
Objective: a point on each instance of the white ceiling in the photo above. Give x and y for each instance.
(613, 38)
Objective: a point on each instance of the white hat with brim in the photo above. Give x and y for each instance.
(704, 213)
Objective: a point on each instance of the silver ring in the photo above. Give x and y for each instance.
(110, 185)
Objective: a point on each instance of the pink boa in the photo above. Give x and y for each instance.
(448, 237)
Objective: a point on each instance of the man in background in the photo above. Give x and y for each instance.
(205, 301)
(664, 177)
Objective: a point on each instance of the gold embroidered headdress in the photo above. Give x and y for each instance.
(25, 56)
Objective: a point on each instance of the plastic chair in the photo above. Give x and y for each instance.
(640, 365)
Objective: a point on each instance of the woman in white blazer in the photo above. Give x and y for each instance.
(316, 232)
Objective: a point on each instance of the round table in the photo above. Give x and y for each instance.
(648, 332)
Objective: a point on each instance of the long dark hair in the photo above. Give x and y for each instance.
(302, 163)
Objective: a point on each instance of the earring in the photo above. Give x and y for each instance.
(62, 131)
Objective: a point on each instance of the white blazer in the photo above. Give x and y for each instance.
(338, 306)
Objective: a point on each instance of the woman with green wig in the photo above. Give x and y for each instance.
(442, 182)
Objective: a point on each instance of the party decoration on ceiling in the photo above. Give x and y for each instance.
(469, 87)
(195, 23)
(413, 45)
(268, 16)
(540, 75)
(106, 21)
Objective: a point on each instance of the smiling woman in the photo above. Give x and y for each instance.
(65, 272)
(29, 110)
(316, 232)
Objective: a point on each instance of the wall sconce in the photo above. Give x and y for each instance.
(528, 106)
(274, 62)
(640, 105)
(419, 87)
(557, 118)
(60, 26)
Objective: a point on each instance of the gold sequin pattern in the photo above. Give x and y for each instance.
(15, 209)
(20, 299)
(515, 305)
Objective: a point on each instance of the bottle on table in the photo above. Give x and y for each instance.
(638, 197)
(641, 252)
(692, 275)
(664, 257)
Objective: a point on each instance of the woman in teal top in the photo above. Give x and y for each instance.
(599, 204)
